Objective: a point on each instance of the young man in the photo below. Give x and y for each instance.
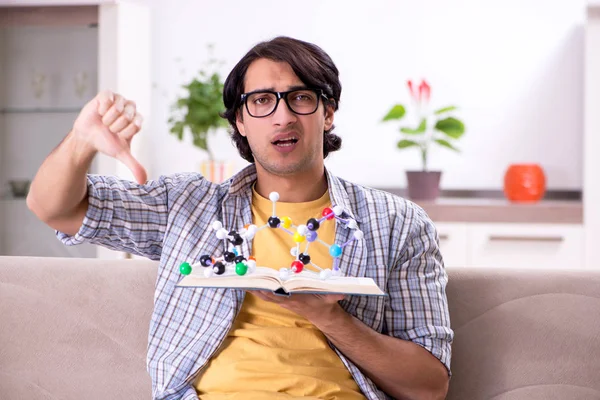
(230, 344)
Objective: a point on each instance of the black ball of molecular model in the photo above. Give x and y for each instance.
(233, 261)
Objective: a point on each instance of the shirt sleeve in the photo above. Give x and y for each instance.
(418, 306)
(124, 216)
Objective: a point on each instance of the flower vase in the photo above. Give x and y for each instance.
(423, 185)
(524, 183)
(216, 171)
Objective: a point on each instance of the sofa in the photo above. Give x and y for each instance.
(77, 329)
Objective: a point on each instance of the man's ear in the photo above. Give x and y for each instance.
(329, 111)
(239, 123)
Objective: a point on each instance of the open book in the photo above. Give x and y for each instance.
(268, 279)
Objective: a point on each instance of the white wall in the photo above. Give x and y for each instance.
(514, 68)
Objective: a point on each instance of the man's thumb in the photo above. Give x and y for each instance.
(139, 172)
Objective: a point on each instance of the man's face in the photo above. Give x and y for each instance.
(283, 143)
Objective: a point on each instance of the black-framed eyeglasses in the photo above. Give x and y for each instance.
(302, 101)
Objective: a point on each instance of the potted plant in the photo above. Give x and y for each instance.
(199, 113)
(437, 127)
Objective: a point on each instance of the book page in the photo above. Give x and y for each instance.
(342, 285)
(262, 278)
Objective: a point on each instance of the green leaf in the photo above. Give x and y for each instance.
(447, 144)
(420, 129)
(407, 143)
(451, 127)
(177, 129)
(199, 110)
(396, 112)
(444, 110)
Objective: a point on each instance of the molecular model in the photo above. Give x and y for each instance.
(233, 262)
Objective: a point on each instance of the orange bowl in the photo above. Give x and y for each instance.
(524, 183)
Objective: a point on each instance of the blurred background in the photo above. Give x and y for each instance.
(512, 76)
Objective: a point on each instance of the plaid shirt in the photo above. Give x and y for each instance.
(170, 220)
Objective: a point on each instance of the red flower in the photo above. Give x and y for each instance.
(424, 91)
(412, 90)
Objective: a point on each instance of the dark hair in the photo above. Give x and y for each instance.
(309, 62)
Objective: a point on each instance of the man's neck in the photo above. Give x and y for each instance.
(297, 188)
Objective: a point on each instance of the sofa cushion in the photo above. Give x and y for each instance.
(525, 334)
(74, 328)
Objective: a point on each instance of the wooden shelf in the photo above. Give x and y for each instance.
(40, 110)
(503, 211)
(42, 14)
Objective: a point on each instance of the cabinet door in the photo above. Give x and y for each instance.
(453, 243)
(526, 245)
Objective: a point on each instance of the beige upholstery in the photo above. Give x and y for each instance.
(74, 328)
(524, 335)
(77, 329)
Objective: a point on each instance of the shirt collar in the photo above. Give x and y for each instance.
(339, 195)
(241, 183)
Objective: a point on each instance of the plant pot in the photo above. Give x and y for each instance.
(524, 183)
(19, 188)
(216, 171)
(423, 185)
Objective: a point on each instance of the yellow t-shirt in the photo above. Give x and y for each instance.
(270, 352)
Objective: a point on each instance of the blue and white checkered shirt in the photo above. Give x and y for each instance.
(170, 220)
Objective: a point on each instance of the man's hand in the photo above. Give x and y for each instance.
(317, 308)
(107, 124)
